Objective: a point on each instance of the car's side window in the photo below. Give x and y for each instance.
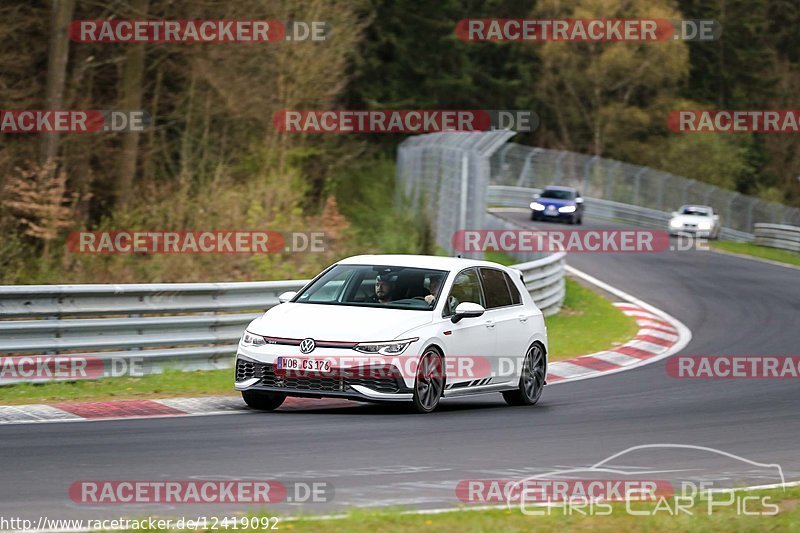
(466, 288)
(515, 296)
(495, 288)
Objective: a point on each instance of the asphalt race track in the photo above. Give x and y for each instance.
(376, 455)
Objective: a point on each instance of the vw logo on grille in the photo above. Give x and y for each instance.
(307, 346)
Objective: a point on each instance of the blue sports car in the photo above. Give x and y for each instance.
(558, 203)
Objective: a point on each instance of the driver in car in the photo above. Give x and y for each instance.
(435, 284)
(384, 286)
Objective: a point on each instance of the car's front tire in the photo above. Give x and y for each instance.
(531, 380)
(429, 383)
(263, 401)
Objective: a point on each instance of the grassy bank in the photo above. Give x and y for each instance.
(762, 252)
(169, 384)
(659, 519)
(587, 323)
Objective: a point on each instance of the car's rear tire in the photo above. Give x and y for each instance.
(263, 401)
(531, 380)
(429, 382)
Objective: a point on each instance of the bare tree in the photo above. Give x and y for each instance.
(61, 15)
(131, 99)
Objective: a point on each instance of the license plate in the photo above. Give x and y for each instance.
(551, 209)
(303, 364)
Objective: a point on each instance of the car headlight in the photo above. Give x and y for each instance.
(567, 209)
(675, 223)
(536, 206)
(704, 225)
(384, 348)
(249, 339)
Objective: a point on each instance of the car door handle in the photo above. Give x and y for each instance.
(522, 318)
(489, 324)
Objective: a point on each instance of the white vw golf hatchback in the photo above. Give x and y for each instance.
(399, 328)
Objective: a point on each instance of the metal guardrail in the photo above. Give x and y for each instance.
(507, 196)
(778, 236)
(624, 183)
(186, 326)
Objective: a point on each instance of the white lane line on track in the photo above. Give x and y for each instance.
(566, 369)
(617, 358)
(203, 404)
(684, 333)
(10, 414)
(659, 334)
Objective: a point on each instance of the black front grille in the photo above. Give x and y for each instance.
(386, 385)
(301, 383)
(246, 369)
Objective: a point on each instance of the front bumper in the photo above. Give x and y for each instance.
(547, 215)
(261, 376)
(690, 230)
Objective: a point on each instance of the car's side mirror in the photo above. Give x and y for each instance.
(467, 310)
(579, 200)
(286, 296)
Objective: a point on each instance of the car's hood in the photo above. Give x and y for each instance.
(692, 219)
(337, 322)
(555, 201)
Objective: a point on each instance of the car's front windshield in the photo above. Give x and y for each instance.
(696, 211)
(383, 286)
(557, 194)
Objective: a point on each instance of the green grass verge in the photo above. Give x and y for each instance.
(762, 252)
(169, 384)
(587, 323)
(720, 519)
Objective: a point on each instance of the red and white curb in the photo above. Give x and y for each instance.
(655, 337)
(127, 409)
(660, 335)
